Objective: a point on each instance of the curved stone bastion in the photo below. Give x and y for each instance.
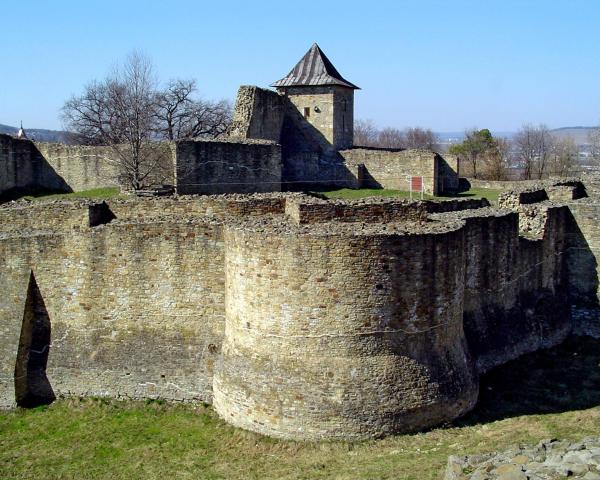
(343, 333)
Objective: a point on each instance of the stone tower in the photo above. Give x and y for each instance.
(322, 96)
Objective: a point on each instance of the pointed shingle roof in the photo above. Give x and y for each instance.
(312, 70)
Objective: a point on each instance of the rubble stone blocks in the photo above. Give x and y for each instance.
(548, 460)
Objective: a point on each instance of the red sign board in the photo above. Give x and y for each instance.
(416, 184)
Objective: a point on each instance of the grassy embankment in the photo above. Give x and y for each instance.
(553, 393)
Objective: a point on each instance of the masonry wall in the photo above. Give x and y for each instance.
(515, 287)
(389, 168)
(258, 114)
(136, 306)
(81, 167)
(135, 311)
(330, 112)
(220, 166)
(398, 304)
(24, 170)
(384, 336)
(584, 252)
(448, 168)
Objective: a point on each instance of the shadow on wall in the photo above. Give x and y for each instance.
(582, 267)
(559, 379)
(100, 214)
(32, 387)
(25, 171)
(309, 159)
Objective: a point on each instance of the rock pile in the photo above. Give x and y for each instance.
(548, 460)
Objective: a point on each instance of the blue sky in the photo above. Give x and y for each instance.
(446, 65)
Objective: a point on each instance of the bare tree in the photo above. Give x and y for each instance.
(496, 160)
(365, 133)
(390, 137)
(180, 116)
(120, 112)
(563, 157)
(130, 114)
(594, 141)
(420, 138)
(533, 147)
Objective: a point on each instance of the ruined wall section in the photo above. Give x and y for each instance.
(227, 166)
(136, 306)
(65, 215)
(387, 349)
(135, 311)
(196, 298)
(576, 248)
(515, 287)
(392, 168)
(81, 167)
(258, 114)
(556, 189)
(448, 173)
(28, 167)
(24, 170)
(583, 262)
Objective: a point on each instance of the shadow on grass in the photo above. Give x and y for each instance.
(458, 195)
(559, 379)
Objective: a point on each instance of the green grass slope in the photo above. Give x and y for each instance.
(552, 393)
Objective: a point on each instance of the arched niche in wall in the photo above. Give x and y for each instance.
(32, 387)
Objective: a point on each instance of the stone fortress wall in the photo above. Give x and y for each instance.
(309, 161)
(23, 169)
(270, 147)
(296, 316)
(217, 166)
(81, 167)
(192, 166)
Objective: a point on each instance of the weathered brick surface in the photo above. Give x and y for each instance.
(24, 170)
(382, 357)
(258, 114)
(220, 166)
(392, 169)
(302, 318)
(81, 167)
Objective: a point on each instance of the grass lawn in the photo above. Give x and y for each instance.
(348, 193)
(553, 393)
(95, 193)
(344, 193)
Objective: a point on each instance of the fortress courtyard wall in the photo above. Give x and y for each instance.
(300, 318)
(227, 166)
(258, 114)
(135, 305)
(81, 167)
(135, 311)
(24, 170)
(392, 169)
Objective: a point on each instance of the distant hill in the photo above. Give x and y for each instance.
(578, 134)
(40, 134)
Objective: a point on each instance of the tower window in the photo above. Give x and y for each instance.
(306, 112)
